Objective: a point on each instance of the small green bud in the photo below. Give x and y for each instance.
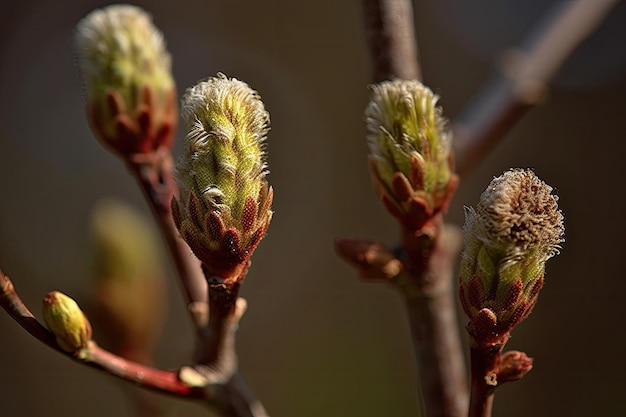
(224, 206)
(130, 290)
(126, 72)
(410, 151)
(66, 320)
(516, 227)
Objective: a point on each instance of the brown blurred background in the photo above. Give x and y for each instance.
(315, 341)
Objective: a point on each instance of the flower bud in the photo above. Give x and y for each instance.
(130, 291)
(410, 151)
(516, 227)
(224, 206)
(66, 320)
(125, 69)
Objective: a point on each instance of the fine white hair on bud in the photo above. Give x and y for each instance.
(516, 227)
(224, 206)
(224, 156)
(518, 212)
(109, 38)
(410, 152)
(403, 116)
(126, 74)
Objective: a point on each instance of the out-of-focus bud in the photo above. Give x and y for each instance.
(125, 69)
(224, 207)
(66, 320)
(516, 227)
(410, 151)
(130, 290)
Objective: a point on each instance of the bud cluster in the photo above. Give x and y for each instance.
(516, 227)
(125, 68)
(224, 206)
(410, 151)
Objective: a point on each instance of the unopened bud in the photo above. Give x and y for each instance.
(224, 207)
(516, 227)
(125, 69)
(67, 321)
(410, 151)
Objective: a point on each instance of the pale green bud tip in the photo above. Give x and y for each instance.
(119, 47)
(126, 72)
(66, 320)
(223, 192)
(410, 150)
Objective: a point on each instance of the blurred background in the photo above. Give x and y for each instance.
(315, 341)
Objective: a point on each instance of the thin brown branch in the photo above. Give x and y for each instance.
(227, 394)
(153, 173)
(216, 357)
(524, 78)
(391, 40)
(148, 377)
(430, 303)
(483, 383)
(423, 274)
(214, 309)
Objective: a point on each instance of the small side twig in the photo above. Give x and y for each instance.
(148, 377)
(391, 39)
(423, 274)
(524, 77)
(490, 369)
(228, 395)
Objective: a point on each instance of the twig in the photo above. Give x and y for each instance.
(432, 317)
(423, 274)
(215, 312)
(391, 39)
(483, 361)
(164, 381)
(228, 395)
(153, 173)
(524, 77)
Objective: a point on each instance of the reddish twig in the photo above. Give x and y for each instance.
(215, 312)
(153, 173)
(490, 369)
(225, 393)
(390, 37)
(156, 379)
(524, 78)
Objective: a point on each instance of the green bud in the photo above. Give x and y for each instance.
(516, 227)
(126, 72)
(130, 290)
(410, 151)
(224, 206)
(66, 320)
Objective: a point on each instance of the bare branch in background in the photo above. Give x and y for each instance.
(524, 77)
(390, 37)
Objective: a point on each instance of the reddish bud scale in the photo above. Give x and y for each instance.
(407, 201)
(139, 129)
(222, 250)
(492, 319)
